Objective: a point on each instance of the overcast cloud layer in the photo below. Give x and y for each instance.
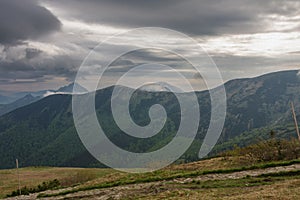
(208, 17)
(43, 42)
(21, 20)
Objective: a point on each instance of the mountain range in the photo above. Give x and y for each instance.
(25, 98)
(43, 132)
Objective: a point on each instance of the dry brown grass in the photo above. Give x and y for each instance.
(283, 190)
(33, 176)
(210, 164)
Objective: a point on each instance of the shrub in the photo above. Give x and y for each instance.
(79, 177)
(41, 187)
(268, 150)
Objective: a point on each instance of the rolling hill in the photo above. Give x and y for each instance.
(43, 132)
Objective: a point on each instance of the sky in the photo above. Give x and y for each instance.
(44, 42)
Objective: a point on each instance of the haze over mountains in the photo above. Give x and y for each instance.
(25, 98)
(43, 132)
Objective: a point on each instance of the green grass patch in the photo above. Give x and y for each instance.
(249, 181)
(165, 175)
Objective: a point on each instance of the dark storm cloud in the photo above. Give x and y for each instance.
(26, 19)
(147, 56)
(58, 66)
(21, 20)
(32, 53)
(206, 17)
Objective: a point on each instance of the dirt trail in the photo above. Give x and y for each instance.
(241, 174)
(153, 188)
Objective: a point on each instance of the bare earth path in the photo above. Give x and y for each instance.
(154, 188)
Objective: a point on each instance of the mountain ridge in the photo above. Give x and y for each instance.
(43, 133)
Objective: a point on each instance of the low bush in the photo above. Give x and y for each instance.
(78, 178)
(268, 150)
(41, 187)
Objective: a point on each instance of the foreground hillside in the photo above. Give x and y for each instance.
(243, 173)
(43, 133)
(217, 178)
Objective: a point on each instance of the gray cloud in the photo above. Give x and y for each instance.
(21, 20)
(61, 54)
(32, 53)
(249, 66)
(39, 69)
(147, 56)
(207, 17)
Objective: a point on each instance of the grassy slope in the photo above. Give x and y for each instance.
(88, 179)
(32, 176)
(285, 188)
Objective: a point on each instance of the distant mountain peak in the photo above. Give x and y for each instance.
(69, 88)
(160, 87)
